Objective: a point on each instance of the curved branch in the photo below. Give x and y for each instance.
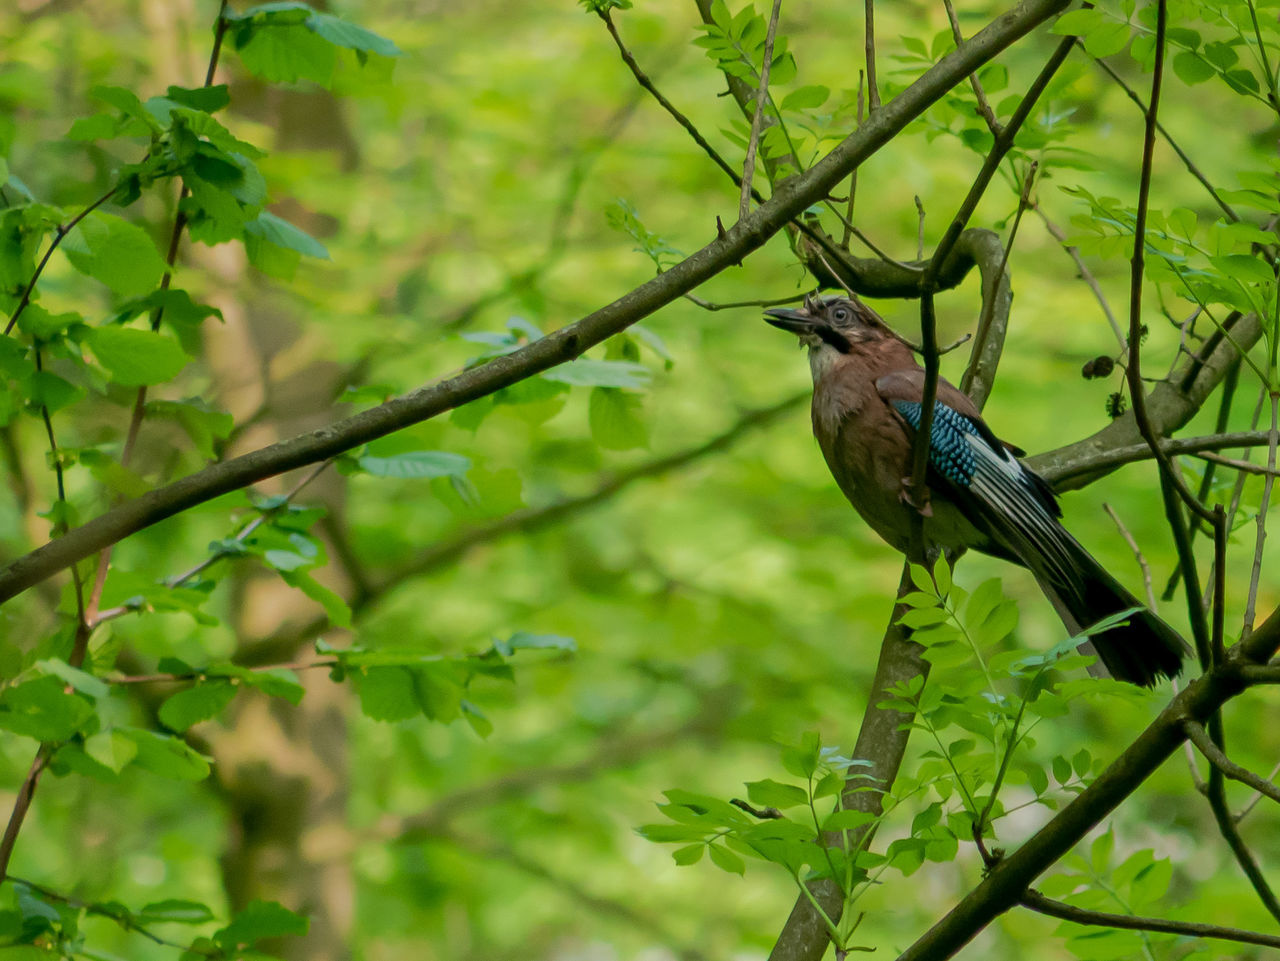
(788, 201)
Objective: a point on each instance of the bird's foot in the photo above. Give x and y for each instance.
(919, 504)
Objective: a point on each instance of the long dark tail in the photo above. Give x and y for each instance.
(1141, 651)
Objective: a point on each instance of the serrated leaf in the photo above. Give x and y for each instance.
(116, 252)
(285, 52)
(136, 358)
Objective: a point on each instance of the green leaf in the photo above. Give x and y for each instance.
(524, 640)
(344, 34)
(175, 912)
(116, 252)
(285, 52)
(614, 419)
(586, 372)
(275, 682)
(847, 820)
(1191, 69)
(40, 708)
(200, 702)
(275, 230)
(1078, 22)
(82, 681)
(770, 793)
(1061, 769)
(689, 854)
(387, 694)
(337, 609)
(135, 357)
(206, 99)
(416, 464)
(111, 749)
(725, 859)
(262, 919)
(805, 98)
(1107, 39)
(166, 756)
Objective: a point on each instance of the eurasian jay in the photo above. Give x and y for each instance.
(867, 390)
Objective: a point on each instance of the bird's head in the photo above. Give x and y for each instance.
(829, 326)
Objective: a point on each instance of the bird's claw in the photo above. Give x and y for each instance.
(920, 505)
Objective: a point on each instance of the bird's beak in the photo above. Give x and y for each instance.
(788, 318)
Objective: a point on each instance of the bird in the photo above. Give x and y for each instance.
(867, 401)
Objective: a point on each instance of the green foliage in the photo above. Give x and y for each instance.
(451, 218)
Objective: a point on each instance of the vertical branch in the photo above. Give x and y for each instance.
(869, 45)
(984, 108)
(882, 740)
(1255, 573)
(853, 177)
(762, 94)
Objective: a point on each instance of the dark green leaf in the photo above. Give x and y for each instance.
(262, 919)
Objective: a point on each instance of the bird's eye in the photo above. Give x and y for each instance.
(840, 315)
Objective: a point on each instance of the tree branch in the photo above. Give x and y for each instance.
(1066, 912)
(789, 200)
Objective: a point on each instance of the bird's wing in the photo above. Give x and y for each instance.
(998, 493)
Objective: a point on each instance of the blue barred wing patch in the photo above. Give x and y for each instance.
(950, 451)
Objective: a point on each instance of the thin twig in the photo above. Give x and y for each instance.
(869, 47)
(124, 920)
(1198, 736)
(643, 79)
(1086, 274)
(20, 806)
(919, 228)
(1255, 573)
(1067, 912)
(1137, 390)
(737, 304)
(58, 235)
(762, 94)
(984, 108)
(1137, 552)
(1182, 154)
(853, 177)
(1257, 796)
